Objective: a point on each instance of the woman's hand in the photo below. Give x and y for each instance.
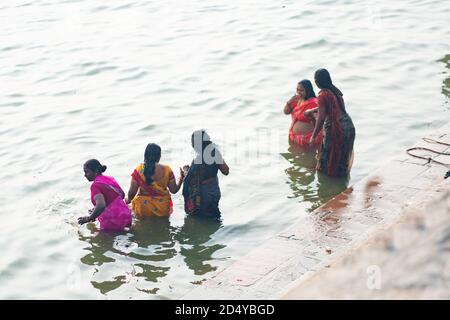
(288, 107)
(175, 186)
(182, 174)
(311, 113)
(292, 99)
(84, 220)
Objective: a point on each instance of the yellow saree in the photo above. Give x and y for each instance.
(154, 199)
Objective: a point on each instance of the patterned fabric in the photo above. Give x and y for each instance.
(154, 199)
(200, 198)
(338, 136)
(191, 190)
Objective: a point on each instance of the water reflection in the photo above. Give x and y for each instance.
(193, 237)
(306, 183)
(329, 187)
(101, 243)
(156, 243)
(148, 246)
(101, 251)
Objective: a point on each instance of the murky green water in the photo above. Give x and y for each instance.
(83, 79)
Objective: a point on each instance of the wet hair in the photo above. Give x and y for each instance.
(308, 89)
(95, 166)
(203, 136)
(151, 157)
(323, 81)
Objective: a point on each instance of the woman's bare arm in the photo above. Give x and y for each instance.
(311, 114)
(134, 186)
(100, 206)
(173, 185)
(224, 168)
(319, 122)
(288, 107)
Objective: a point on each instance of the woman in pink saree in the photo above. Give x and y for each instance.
(107, 197)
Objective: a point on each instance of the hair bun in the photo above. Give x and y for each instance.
(103, 168)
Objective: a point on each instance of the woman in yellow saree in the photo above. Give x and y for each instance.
(151, 185)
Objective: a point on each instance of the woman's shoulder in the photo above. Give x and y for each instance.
(325, 95)
(218, 156)
(103, 179)
(165, 171)
(164, 168)
(325, 92)
(97, 187)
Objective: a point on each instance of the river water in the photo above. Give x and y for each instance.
(94, 79)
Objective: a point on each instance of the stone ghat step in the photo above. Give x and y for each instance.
(408, 259)
(335, 229)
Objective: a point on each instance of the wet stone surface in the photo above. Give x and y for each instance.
(336, 229)
(409, 259)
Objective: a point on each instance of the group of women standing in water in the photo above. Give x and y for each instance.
(152, 184)
(324, 122)
(316, 121)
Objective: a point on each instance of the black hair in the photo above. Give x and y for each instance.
(200, 140)
(151, 157)
(308, 89)
(197, 136)
(323, 81)
(95, 166)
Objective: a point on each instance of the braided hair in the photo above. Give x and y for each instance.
(152, 155)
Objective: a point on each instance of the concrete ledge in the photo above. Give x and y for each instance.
(407, 259)
(334, 230)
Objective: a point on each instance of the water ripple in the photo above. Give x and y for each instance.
(82, 79)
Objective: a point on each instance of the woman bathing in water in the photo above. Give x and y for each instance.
(303, 121)
(336, 152)
(107, 197)
(201, 190)
(151, 185)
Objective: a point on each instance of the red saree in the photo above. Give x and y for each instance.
(339, 135)
(298, 114)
